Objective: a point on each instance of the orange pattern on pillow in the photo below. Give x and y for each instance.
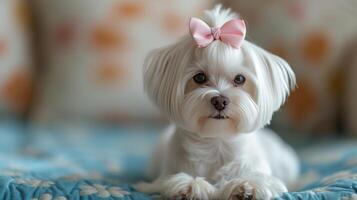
(110, 71)
(18, 90)
(107, 37)
(173, 23)
(315, 47)
(129, 9)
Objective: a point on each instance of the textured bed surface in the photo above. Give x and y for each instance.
(96, 162)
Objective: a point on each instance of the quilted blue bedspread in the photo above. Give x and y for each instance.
(96, 162)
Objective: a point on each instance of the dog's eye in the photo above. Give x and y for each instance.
(200, 78)
(239, 79)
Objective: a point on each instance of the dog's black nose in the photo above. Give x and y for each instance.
(219, 102)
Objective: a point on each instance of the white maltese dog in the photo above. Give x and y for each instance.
(220, 91)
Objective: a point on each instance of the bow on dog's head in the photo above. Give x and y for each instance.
(213, 82)
(232, 32)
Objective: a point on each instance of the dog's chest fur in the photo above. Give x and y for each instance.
(205, 156)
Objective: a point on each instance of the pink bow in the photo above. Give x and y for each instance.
(231, 33)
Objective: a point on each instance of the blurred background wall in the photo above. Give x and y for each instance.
(86, 57)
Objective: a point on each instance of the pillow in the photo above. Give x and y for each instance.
(94, 54)
(15, 58)
(311, 36)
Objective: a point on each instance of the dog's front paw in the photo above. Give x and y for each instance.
(254, 188)
(184, 186)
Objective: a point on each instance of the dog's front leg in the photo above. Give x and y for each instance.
(179, 186)
(247, 183)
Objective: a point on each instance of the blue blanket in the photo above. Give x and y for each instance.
(95, 162)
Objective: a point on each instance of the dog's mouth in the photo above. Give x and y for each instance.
(219, 116)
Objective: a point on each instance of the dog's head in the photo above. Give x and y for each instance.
(217, 90)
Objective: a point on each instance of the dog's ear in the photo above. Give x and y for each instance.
(163, 71)
(275, 80)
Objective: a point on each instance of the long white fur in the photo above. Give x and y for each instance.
(203, 158)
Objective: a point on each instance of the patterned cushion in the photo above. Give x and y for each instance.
(15, 72)
(95, 51)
